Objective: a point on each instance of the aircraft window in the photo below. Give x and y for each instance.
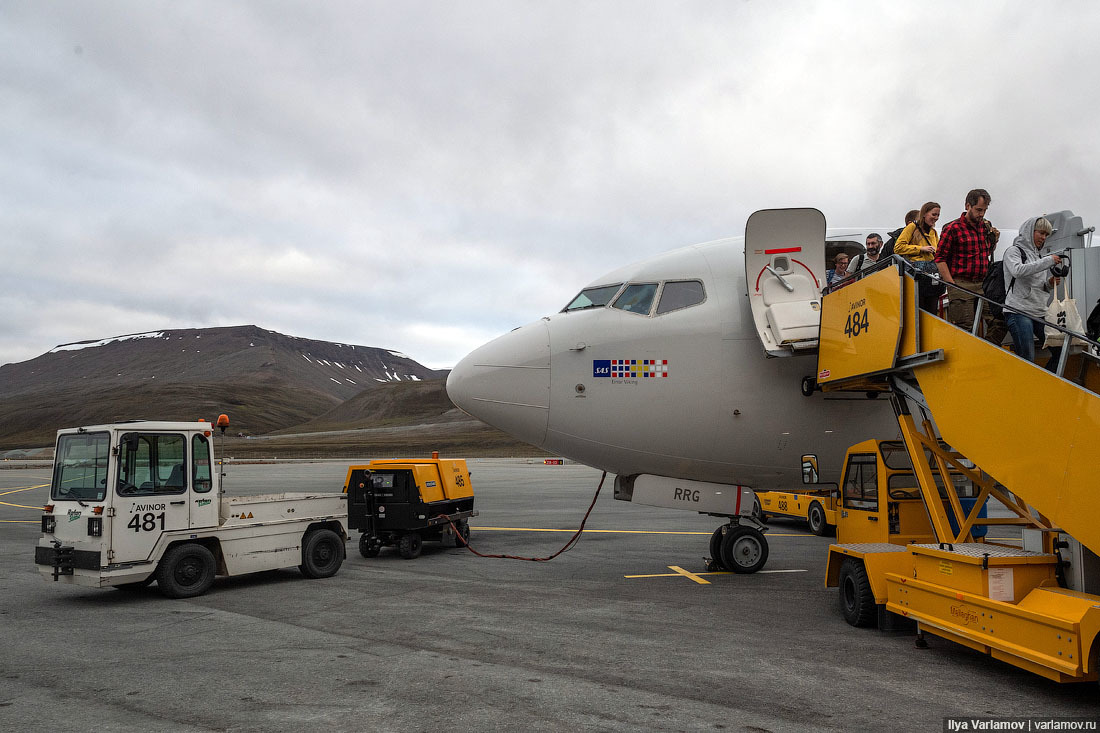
(593, 297)
(860, 485)
(636, 298)
(680, 294)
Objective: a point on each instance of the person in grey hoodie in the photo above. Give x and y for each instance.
(1031, 285)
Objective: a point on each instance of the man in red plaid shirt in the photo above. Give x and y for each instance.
(963, 258)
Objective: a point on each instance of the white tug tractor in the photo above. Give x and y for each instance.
(135, 502)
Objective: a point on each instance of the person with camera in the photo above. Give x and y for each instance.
(1031, 279)
(963, 259)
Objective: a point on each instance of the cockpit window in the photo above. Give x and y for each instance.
(680, 294)
(593, 297)
(636, 298)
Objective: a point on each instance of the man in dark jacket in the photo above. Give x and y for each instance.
(888, 248)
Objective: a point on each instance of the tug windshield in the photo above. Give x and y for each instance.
(80, 469)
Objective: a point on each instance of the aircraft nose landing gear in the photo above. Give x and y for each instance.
(737, 547)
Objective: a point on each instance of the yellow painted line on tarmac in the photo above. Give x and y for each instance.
(21, 488)
(19, 521)
(680, 571)
(22, 506)
(613, 531)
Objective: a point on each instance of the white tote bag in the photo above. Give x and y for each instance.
(1062, 312)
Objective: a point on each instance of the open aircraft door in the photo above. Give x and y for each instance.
(785, 272)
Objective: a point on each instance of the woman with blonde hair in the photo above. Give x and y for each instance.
(918, 243)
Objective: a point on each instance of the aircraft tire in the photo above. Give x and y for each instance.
(857, 602)
(716, 548)
(368, 546)
(185, 571)
(816, 518)
(744, 549)
(322, 554)
(410, 545)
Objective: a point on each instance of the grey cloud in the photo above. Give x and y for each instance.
(353, 171)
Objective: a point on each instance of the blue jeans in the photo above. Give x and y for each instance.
(1024, 332)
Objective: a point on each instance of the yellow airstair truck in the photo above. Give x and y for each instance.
(975, 419)
(140, 501)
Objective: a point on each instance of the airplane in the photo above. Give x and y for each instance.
(690, 376)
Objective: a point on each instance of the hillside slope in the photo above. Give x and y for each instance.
(265, 380)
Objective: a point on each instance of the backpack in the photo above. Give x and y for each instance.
(1092, 325)
(888, 248)
(993, 286)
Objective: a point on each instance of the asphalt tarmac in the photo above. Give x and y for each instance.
(621, 633)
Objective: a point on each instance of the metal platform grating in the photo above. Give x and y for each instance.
(977, 549)
(868, 547)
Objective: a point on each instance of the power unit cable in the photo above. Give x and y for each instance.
(565, 548)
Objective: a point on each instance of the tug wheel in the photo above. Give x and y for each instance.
(410, 545)
(186, 571)
(322, 554)
(816, 518)
(744, 549)
(857, 602)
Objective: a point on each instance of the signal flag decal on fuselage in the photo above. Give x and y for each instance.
(630, 368)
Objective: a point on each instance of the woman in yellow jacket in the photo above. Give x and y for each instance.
(917, 243)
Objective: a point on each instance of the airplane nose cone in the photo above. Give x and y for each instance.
(506, 383)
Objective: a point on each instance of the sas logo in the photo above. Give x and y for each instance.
(630, 368)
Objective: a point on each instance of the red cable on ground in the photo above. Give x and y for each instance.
(565, 548)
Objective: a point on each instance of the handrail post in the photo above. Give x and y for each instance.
(1064, 356)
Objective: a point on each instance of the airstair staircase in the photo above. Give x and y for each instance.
(1026, 436)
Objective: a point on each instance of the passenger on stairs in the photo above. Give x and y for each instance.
(1031, 289)
(839, 271)
(917, 243)
(963, 259)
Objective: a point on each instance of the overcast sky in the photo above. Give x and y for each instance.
(424, 176)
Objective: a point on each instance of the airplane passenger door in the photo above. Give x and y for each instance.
(785, 272)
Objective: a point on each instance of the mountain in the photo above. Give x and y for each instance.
(264, 380)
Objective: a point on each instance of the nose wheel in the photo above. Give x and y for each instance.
(738, 548)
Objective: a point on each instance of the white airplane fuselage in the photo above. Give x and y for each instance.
(687, 394)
